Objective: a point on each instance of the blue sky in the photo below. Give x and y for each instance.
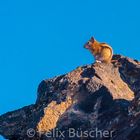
(41, 39)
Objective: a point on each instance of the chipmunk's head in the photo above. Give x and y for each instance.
(88, 45)
(92, 45)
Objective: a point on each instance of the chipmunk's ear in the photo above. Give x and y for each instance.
(92, 39)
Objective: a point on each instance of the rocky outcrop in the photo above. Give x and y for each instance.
(97, 101)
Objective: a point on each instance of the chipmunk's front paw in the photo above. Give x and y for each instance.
(98, 61)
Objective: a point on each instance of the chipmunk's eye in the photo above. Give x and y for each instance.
(88, 42)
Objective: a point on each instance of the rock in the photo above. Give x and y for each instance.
(97, 101)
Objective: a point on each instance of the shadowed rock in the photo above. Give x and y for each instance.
(98, 98)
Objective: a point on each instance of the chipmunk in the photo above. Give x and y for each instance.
(101, 51)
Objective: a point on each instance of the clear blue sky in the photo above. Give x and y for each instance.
(41, 39)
